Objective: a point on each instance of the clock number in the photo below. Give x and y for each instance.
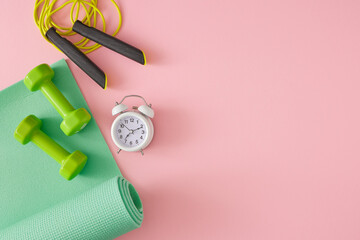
(131, 120)
(141, 137)
(119, 130)
(137, 142)
(122, 125)
(131, 142)
(121, 136)
(142, 131)
(137, 121)
(126, 121)
(141, 125)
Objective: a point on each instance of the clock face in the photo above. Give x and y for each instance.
(131, 131)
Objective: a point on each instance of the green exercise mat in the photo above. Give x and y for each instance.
(104, 212)
(30, 182)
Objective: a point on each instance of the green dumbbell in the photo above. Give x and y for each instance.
(29, 130)
(40, 79)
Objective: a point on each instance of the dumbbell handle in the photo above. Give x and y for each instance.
(56, 98)
(48, 145)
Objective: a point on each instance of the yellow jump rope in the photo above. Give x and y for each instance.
(45, 9)
(56, 34)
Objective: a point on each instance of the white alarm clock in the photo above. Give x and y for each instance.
(132, 130)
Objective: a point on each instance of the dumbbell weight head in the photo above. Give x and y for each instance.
(73, 165)
(36, 77)
(74, 120)
(29, 130)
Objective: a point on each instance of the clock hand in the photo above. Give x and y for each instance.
(138, 129)
(127, 136)
(126, 126)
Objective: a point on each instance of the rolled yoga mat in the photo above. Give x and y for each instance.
(104, 212)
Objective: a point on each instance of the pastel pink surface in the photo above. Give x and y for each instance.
(256, 113)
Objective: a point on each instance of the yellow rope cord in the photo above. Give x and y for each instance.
(45, 9)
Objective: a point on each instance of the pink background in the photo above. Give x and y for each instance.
(256, 113)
